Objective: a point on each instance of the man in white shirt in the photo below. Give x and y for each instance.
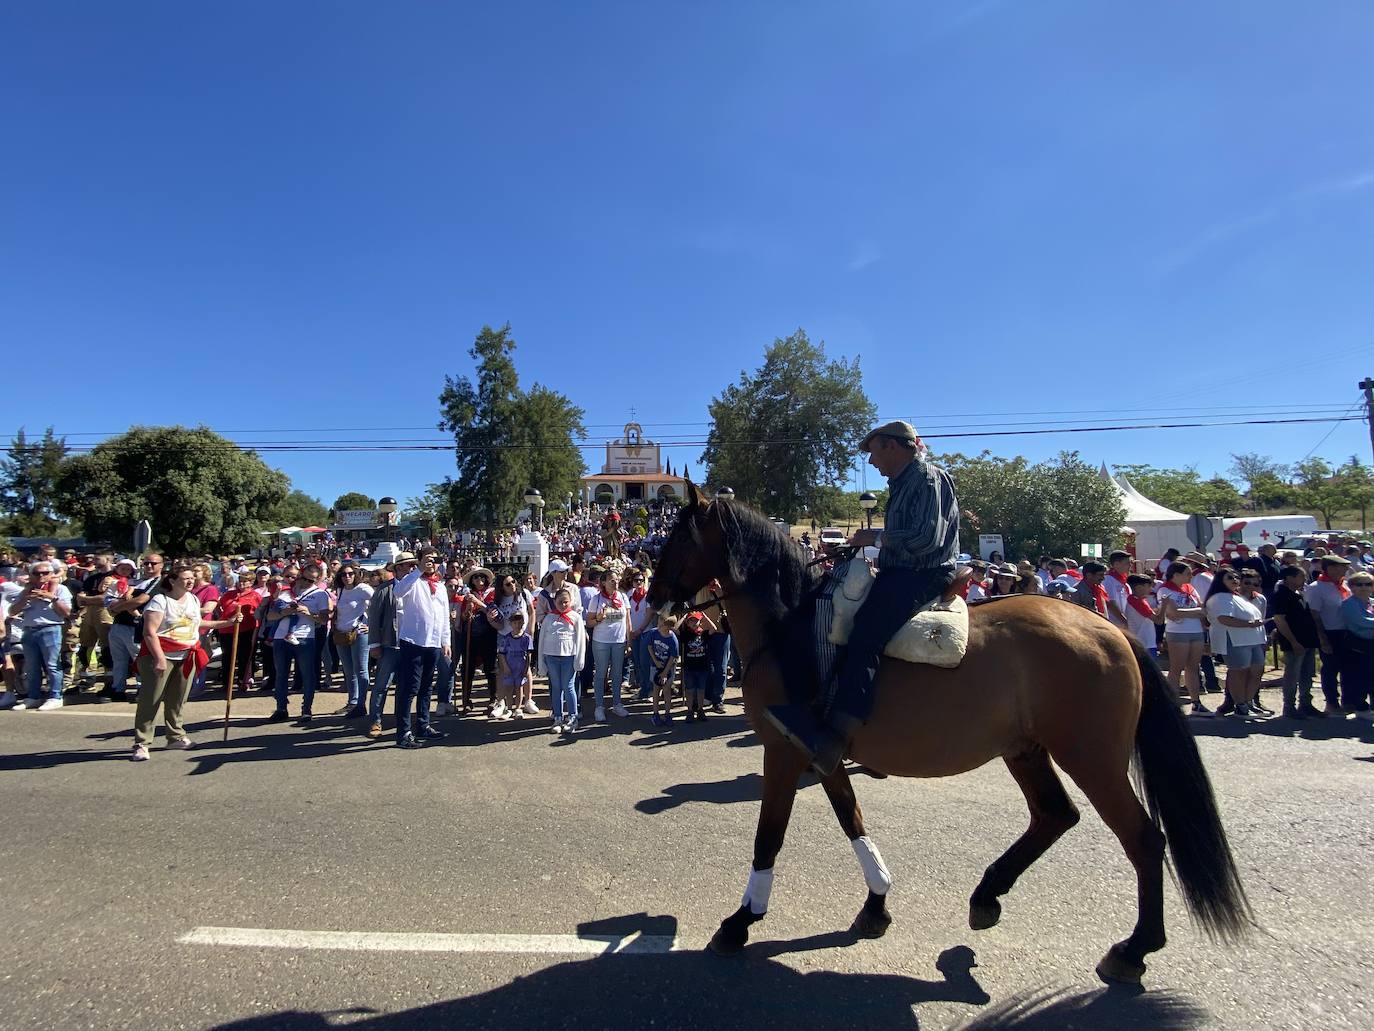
(1118, 569)
(1324, 596)
(423, 634)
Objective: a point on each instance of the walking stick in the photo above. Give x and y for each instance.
(233, 674)
(467, 657)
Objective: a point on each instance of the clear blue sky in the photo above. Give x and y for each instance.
(295, 217)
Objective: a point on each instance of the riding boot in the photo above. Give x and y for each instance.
(834, 740)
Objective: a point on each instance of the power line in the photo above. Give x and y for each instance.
(343, 447)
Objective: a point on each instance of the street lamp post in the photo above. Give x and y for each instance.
(535, 500)
(868, 501)
(569, 502)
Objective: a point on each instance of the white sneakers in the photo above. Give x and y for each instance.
(8, 700)
(568, 726)
(530, 709)
(140, 754)
(183, 743)
(498, 711)
(47, 705)
(50, 705)
(620, 710)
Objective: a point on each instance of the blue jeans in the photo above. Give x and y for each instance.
(718, 647)
(304, 657)
(644, 668)
(386, 671)
(414, 674)
(43, 651)
(562, 685)
(354, 660)
(123, 655)
(608, 657)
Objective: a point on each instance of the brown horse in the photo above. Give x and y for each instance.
(1042, 680)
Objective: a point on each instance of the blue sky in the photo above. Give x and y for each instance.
(285, 219)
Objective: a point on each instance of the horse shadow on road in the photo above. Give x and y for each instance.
(639, 988)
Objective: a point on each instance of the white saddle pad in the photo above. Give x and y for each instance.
(937, 635)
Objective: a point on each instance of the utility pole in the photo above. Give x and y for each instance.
(1367, 385)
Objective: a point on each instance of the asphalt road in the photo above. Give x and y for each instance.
(627, 834)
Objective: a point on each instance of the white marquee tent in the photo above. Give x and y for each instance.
(1156, 529)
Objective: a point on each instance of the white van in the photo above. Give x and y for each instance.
(1267, 529)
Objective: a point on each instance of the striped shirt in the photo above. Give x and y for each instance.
(921, 522)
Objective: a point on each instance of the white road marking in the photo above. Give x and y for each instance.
(385, 941)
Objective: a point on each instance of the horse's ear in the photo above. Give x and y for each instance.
(694, 498)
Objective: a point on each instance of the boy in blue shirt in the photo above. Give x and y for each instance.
(663, 650)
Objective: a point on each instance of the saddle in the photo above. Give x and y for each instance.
(936, 635)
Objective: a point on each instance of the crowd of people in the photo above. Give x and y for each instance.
(435, 624)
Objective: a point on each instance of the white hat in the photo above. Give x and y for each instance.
(558, 566)
(126, 562)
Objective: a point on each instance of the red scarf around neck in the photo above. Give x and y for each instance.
(565, 616)
(1340, 586)
(1188, 590)
(639, 594)
(1141, 605)
(613, 598)
(1118, 577)
(433, 582)
(1099, 598)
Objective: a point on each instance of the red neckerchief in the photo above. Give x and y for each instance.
(1340, 586)
(613, 598)
(980, 584)
(1118, 577)
(1073, 574)
(1187, 590)
(1141, 605)
(566, 617)
(1099, 598)
(433, 582)
(638, 595)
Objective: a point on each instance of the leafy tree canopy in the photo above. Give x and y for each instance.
(506, 440)
(1048, 508)
(788, 429)
(28, 486)
(297, 509)
(199, 491)
(352, 501)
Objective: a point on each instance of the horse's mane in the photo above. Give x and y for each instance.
(770, 568)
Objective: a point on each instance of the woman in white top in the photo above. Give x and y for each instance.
(350, 636)
(168, 660)
(608, 616)
(1237, 633)
(562, 653)
(1184, 631)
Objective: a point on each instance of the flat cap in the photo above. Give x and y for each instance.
(898, 430)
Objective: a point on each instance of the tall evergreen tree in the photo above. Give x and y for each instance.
(28, 484)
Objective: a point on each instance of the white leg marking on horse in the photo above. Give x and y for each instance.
(756, 893)
(875, 870)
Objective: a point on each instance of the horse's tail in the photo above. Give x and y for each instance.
(1178, 794)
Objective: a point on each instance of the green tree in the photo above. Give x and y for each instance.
(506, 440)
(1268, 491)
(831, 505)
(1052, 507)
(296, 509)
(1319, 489)
(1358, 479)
(1219, 497)
(1251, 468)
(199, 491)
(28, 479)
(352, 501)
(788, 428)
(1182, 490)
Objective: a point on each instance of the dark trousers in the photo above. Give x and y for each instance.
(414, 675)
(718, 648)
(1357, 671)
(895, 595)
(245, 656)
(1332, 677)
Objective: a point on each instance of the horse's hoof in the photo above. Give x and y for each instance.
(724, 943)
(870, 923)
(983, 915)
(1116, 969)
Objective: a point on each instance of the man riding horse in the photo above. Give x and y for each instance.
(916, 561)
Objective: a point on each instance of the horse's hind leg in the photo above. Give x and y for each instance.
(783, 766)
(873, 918)
(1109, 790)
(1051, 814)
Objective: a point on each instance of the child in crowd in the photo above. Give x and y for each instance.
(1141, 615)
(663, 649)
(696, 662)
(513, 666)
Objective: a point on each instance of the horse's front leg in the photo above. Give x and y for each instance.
(873, 919)
(783, 766)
